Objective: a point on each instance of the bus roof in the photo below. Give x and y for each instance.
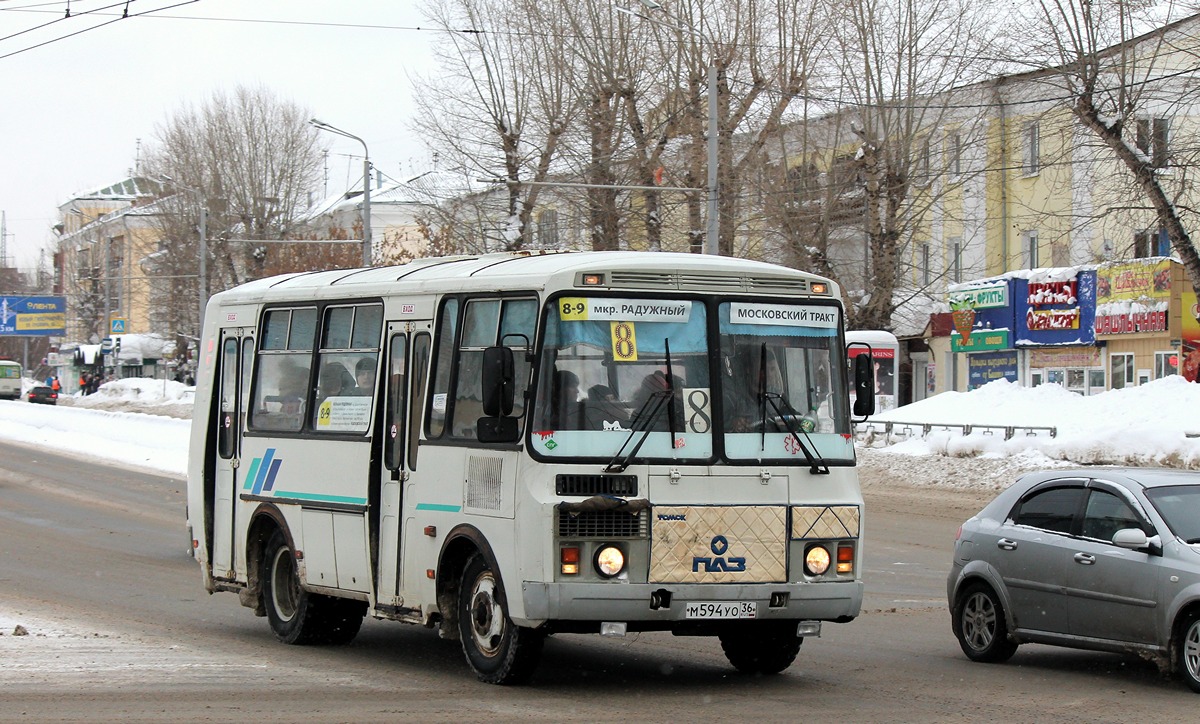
(656, 271)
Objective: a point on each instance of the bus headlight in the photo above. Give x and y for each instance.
(816, 560)
(610, 561)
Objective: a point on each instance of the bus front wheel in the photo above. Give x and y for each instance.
(499, 651)
(764, 648)
(297, 616)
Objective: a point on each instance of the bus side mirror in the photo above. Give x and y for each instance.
(498, 381)
(864, 385)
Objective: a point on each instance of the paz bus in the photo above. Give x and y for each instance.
(512, 445)
(10, 379)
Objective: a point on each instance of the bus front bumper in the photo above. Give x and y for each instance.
(651, 606)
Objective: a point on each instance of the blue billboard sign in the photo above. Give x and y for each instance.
(33, 316)
(987, 366)
(1056, 312)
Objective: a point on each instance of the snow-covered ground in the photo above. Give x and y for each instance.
(143, 423)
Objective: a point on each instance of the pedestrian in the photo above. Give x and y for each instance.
(55, 385)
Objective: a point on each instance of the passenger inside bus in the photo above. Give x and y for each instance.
(742, 386)
(364, 377)
(335, 381)
(563, 413)
(647, 399)
(603, 411)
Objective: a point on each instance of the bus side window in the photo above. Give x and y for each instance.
(418, 374)
(397, 388)
(440, 391)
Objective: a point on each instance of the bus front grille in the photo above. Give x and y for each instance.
(623, 485)
(607, 524)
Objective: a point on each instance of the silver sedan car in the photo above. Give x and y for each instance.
(1103, 558)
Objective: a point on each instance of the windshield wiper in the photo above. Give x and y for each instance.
(817, 464)
(645, 418)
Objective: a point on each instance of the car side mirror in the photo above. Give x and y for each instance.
(498, 377)
(497, 429)
(1131, 538)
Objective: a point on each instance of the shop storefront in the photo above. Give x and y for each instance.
(981, 340)
(1055, 311)
(1134, 315)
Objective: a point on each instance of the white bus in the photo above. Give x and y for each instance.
(511, 445)
(10, 379)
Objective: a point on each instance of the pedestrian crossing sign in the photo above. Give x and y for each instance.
(118, 326)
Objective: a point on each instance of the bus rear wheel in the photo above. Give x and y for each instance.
(499, 651)
(297, 616)
(763, 648)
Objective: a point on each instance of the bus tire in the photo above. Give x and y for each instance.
(499, 651)
(765, 648)
(297, 616)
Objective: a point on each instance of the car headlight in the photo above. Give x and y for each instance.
(610, 561)
(816, 560)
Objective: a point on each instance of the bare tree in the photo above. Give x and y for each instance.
(249, 159)
(500, 102)
(903, 67)
(1121, 70)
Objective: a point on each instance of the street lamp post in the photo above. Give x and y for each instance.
(366, 205)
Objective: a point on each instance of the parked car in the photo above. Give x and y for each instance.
(43, 394)
(1103, 559)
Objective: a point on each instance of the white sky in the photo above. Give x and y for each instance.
(1145, 425)
(74, 109)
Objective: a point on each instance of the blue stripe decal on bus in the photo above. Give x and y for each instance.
(262, 471)
(438, 507)
(251, 473)
(321, 498)
(272, 473)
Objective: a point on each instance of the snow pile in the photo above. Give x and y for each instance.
(138, 394)
(156, 442)
(1154, 424)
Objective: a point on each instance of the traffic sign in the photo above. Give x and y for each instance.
(118, 325)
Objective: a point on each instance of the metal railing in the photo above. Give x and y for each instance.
(869, 432)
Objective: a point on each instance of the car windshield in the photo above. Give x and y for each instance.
(1179, 505)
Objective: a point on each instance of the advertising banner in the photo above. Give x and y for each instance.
(33, 316)
(987, 366)
(1056, 311)
(1133, 297)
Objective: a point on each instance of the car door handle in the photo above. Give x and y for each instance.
(1005, 544)
(1086, 559)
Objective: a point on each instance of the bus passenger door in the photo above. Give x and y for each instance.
(404, 388)
(237, 349)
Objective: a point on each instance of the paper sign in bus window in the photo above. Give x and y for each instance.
(624, 341)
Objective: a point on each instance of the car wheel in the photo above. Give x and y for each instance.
(499, 651)
(297, 616)
(1187, 651)
(980, 626)
(765, 648)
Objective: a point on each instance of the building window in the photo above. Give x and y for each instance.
(954, 154)
(926, 273)
(923, 161)
(1152, 140)
(1165, 364)
(547, 229)
(1120, 368)
(956, 259)
(1151, 243)
(1032, 149)
(1031, 250)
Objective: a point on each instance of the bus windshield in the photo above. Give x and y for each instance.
(616, 367)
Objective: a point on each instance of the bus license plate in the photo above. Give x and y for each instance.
(721, 609)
